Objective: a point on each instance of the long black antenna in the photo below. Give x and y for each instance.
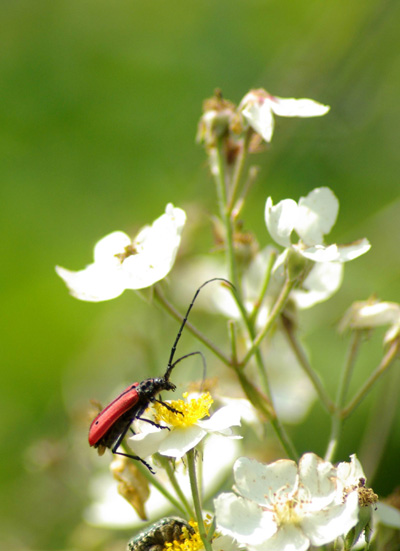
(171, 365)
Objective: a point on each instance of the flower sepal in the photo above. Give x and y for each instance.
(363, 525)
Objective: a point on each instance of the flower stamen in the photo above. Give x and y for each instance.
(192, 411)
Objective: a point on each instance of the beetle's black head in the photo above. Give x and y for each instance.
(161, 383)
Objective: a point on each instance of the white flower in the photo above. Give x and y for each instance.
(373, 313)
(285, 507)
(121, 263)
(107, 508)
(187, 430)
(258, 108)
(311, 218)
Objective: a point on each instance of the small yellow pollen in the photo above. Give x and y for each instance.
(190, 412)
(187, 541)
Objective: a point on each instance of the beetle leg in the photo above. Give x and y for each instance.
(118, 443)
(152, 423)
(170, 408)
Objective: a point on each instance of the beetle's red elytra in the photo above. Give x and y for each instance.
(110, 426)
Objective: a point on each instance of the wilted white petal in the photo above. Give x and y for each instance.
(322, 282)
(326, 525)
(316, 216)
(281, 220)
(95, 283)
(260, 118)
(243, 520)
(290, 107)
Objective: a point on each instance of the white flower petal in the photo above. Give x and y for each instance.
(95, 283)
(335, 253)
(287, 538)
(353, 250)
(147, 443)
(260, 118)
(316, 216)
(157, 246)
(379, 313)
(259, 482)
(109, 246)
(350, 472)
(223, 418)
(180, 440)
(317, 478)
(328, 524)
(290, 107)
(322, 282)
(224, 543)
(387, 515)
(280, 220)
(120, 264)
(243, 520)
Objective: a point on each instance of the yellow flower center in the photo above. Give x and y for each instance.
(187, 541)
(190, 412)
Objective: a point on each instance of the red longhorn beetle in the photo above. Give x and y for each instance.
(110, 426)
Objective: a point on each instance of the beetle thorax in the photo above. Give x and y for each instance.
(150, 387)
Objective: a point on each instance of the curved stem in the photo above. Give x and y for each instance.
(264, 287)
(336, 421)
(304, 363)
(382, 367)
(277, 309)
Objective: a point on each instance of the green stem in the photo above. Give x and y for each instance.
(382, 367)
(189, 326)
(196, 498)
(304, 363)
(236, 209)
(264, 405)
(175, 484)
(380, 425)
(277, 309)
(238, 171)
(225, 215)
(225, 212)
(336, 420)
(232, 338)
(267, 277)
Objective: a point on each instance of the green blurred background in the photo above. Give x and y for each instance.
(99, 106)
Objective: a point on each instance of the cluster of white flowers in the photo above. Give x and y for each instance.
(280, 506)
(288, 507)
